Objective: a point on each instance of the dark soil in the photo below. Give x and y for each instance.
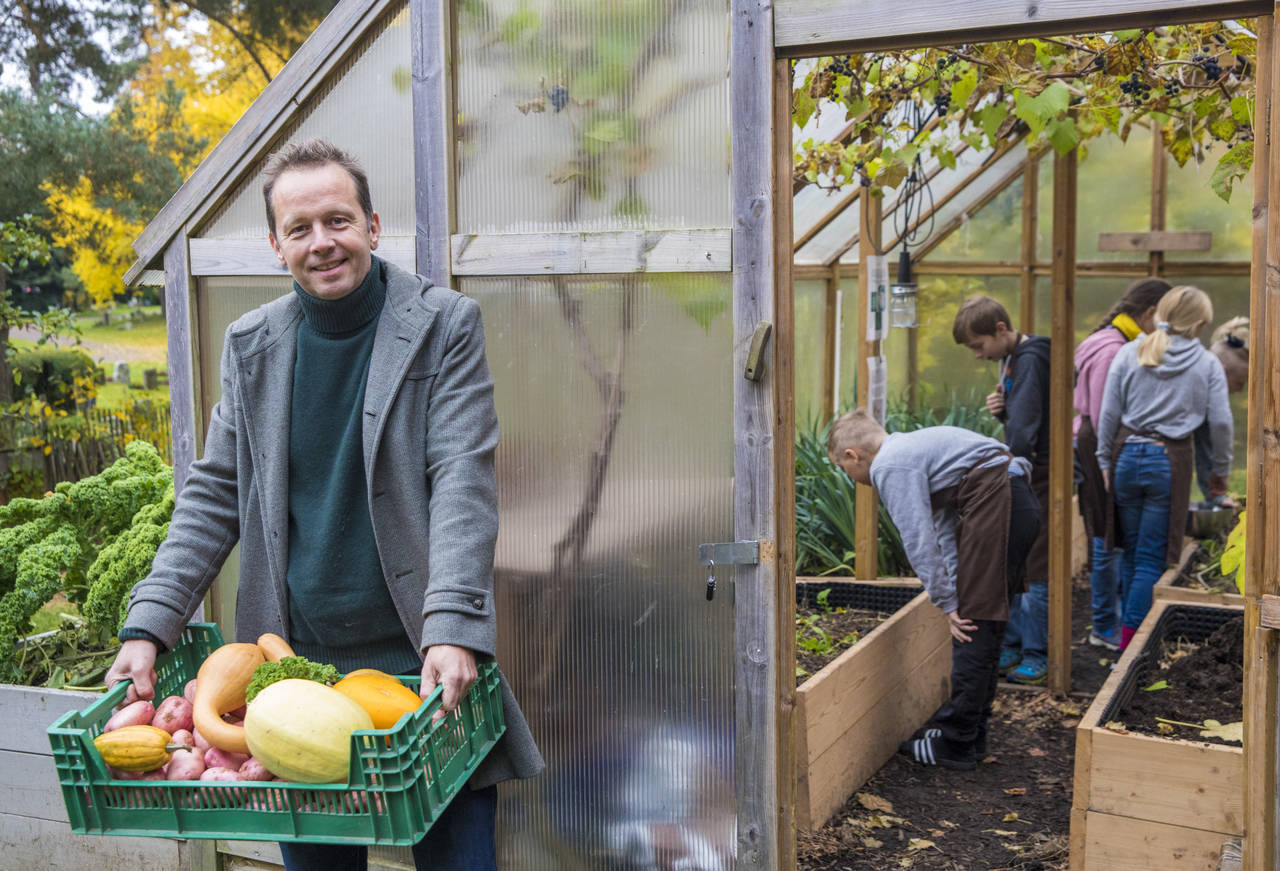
(1205, 682)
(841, 628)
(1204, 571)
(1013, 812)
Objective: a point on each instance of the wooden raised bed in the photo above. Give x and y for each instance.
(1167, 589)
(851, 715)
(1144, 802)
(33, 819)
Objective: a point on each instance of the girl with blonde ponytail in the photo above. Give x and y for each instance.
(1159, 389)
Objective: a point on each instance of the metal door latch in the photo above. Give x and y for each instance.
(726, 553)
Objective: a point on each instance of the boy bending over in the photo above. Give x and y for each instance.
(967, 516)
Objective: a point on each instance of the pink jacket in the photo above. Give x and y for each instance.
(1093, 360)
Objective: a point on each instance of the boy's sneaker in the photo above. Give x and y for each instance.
(1029, 672)
(979, 745)
(932, 751)
(1009, 659)
(1109, 640)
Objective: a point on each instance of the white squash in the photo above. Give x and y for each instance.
(301, 730)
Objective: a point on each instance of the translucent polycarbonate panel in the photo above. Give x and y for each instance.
(810, 344)
(575, 115)
(965, 198)
(992, 233)
(366, 108)
(219, 301)
(616, 461)
(1193, 205)
(831, 239)
(848, 317)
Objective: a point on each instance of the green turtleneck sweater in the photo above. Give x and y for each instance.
(340, 611)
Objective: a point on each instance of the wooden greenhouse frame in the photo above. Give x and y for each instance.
(758, 251)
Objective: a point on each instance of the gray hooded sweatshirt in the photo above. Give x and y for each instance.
(1172, 398)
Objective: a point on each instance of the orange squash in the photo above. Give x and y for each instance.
(220, 685)
(385, 699)
(373, 671)
(274, 648)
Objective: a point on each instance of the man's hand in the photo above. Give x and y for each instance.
(136, 661)
(452, 667)
(959, 626)
(995, 403)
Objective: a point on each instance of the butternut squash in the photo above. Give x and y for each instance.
(137, 748)
(220, 685)
(385, 699)
(274, 648)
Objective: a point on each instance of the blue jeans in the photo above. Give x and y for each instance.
(1104, 585)
(1142, 486)
(461, 840)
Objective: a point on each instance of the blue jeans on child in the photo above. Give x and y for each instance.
(1028, 630)
(1142, 486)
(462, 839)
(1104, 586)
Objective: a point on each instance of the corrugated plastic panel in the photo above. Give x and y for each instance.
(622, 667)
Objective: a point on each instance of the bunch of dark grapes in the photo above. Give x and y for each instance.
(1209, 65)
(839, 66)
(1173, 87)
(1139, 90)
(942, 102)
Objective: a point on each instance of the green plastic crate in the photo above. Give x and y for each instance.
(400, 780)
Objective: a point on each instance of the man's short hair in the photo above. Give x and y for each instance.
(978, 316)
(855, 429)
(313, 153)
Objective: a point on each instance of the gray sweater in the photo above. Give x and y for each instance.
(1172, 398)
(907, 470)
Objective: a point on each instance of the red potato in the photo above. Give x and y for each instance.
(217, 772)
(121, 774)
(185, 765)
(201, 744)
(184, 736)
(267, 800)
(137, 714)
(189, 691)
(252, 769)
(174, 714)
(216, 758)
(237, 714)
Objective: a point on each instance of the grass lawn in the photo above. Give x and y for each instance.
(140, 328)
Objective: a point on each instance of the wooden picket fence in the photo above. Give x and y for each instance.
(71, 449)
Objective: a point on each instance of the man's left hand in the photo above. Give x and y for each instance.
(451, 667)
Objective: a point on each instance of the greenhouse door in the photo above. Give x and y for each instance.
(585, 180)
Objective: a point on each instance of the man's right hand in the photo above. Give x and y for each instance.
(136, 661)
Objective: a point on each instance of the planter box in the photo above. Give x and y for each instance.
(34, 832)
(1166, 590)
(851, 716)
(1144, 802)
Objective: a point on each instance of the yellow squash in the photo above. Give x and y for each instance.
(136, 748)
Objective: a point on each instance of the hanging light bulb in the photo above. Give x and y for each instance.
(902, 294)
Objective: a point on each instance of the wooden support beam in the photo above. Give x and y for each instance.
(866, 543)
(762, 436)
(1030, 230)
(1061, 371)
(434, 83)
(1157, 241)
(1262, 481)
(1159, 198)
(1269, 611)
(808, 28)
(592, 253)
(1092, 269)
(182, 349)
(830, 329)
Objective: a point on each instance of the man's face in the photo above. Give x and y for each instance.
(995, 346)
(857, 465)
(322, 235)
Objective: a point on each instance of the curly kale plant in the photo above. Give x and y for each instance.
(289, 667)
(101, 531)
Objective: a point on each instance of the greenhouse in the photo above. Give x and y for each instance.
(674, 314)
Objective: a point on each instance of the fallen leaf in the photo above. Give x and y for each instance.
(1117, 726)
(906, 862)
(1004, 833)
(989, 760)
(1157, 686)
(1069, 709)
(1036, 751)
(1104, 661)
(1223, 731)
(920, 844)
(872, 843)
(949, 824)
(874, 802)
(1164, 728)
(1070, 724)
(1016, 790)
(938, 833)
(1011, 817)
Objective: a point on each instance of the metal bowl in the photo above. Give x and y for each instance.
(1206, 520)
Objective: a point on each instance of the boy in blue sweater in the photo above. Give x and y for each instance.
(1021, 402)
(967, 516)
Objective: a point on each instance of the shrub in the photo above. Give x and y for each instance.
(50, 373)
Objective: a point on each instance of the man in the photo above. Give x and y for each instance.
(351, 455)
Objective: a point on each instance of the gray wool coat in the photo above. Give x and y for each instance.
(430, 431)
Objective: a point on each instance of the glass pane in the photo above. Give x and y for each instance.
(575, 115)
(1113, 194)
(219, 301)
(1194, 206)
(366, 108)
(847, 341)
(622, 667)
(810, 344)
(993, 233)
